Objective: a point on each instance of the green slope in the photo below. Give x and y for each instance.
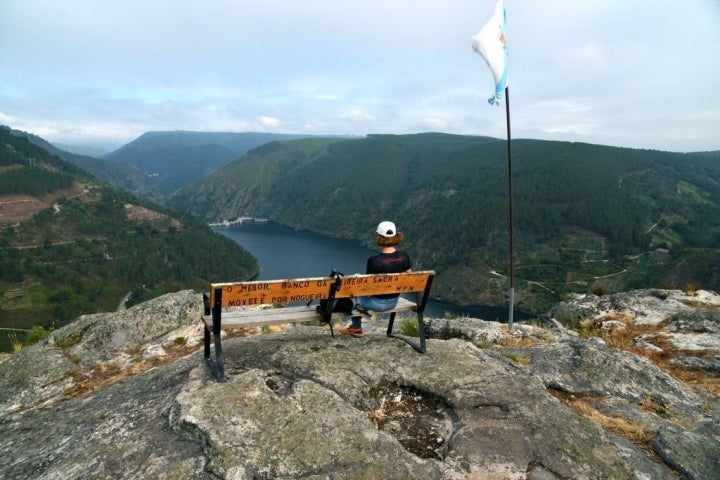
(587, 217)
(87, 244)
(178, 158)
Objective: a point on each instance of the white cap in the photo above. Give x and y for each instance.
(387, 229)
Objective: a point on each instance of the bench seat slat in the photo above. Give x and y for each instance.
(253, 317)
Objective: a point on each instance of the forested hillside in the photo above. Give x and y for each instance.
(587, 217)
(175, 159)
(121, 175)
(70, 244)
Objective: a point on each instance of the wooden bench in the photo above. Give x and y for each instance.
(276, 302)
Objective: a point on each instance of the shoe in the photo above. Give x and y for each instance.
(355, 332)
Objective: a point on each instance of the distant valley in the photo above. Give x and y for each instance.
(587, 218)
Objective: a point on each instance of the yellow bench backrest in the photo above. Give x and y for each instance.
(317, 288)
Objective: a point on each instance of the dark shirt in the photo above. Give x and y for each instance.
(395, 262)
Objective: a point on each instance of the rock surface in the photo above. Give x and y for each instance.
(128, 395)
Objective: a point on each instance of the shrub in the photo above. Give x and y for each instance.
(409, 327)
(16, 344)
(36, 334)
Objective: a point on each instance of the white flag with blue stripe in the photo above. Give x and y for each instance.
(490, 43)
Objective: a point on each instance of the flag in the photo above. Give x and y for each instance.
(490, 43)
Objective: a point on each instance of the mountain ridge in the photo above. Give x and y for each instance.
(587, 217)
(177, 158)
(581, 211)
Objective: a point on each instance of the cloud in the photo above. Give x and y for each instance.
(590, 55)
(7, 119)
(596, 70)
(269, 122)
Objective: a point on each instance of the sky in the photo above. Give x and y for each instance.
(630, 73)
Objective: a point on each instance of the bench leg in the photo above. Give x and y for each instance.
(390, 324)
(216, 364)
(219, 369)
(207, 344)
(421, 331)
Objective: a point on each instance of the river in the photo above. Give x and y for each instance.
(286, 253)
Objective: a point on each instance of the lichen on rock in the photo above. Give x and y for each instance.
(486, 402)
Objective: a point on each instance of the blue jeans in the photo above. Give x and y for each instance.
(376, 304)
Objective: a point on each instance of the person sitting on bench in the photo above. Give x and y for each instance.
(389, 260)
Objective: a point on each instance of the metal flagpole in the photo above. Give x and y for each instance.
(510, 213)
(490, 43)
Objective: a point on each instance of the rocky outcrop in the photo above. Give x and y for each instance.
(127, 395)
